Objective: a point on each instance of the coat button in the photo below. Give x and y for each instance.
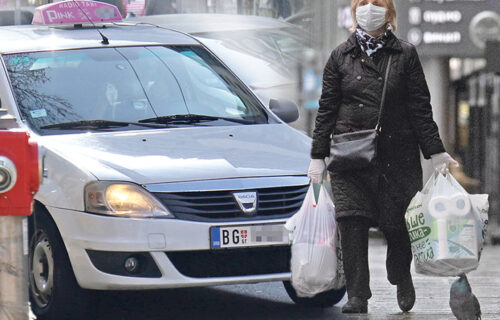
(380, 79)
(361, 105)
(362, 60)
(358, 77)
(388, 165)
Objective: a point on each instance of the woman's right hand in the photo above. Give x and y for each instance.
(317, 169)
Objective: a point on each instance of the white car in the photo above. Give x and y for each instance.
(161, 168)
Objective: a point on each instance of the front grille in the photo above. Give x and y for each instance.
(278, 202)
(231, 262)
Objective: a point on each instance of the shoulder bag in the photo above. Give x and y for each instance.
(357, 150)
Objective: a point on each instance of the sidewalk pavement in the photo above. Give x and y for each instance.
(433, 293)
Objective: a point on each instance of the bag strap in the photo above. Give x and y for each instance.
(384, 90)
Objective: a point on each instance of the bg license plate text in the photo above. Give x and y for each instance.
(248, 236)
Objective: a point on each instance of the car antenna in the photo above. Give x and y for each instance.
(104, 38)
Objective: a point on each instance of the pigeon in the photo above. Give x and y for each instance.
(463, 302)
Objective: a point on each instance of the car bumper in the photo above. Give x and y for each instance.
(83, 232)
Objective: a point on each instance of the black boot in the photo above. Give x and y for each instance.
(355, 305)
(406, 295)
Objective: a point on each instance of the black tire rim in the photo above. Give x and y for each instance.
(41, 270)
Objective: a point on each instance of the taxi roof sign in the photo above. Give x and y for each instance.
(75, 12)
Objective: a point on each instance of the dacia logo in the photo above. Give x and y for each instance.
(247, 201)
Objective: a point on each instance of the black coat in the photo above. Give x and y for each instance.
(352, 90)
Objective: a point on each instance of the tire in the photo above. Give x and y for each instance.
(54, 292)
(325, 299)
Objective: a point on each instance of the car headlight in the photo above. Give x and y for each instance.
(123, 200)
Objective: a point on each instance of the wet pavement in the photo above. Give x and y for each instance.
(432, 292)
(266, 301)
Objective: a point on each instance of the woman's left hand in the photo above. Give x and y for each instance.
(441, 161)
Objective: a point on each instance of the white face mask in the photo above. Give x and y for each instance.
(371, 17)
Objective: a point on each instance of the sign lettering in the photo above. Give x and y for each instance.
(225, 237)
(442, 37)
(414, 221)
(54, 15)
(236, 238)
(75, 12)
(419, 233)
(440, 17)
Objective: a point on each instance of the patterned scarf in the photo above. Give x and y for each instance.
(370, 44)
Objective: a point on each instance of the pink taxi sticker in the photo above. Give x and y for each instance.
(72, 12)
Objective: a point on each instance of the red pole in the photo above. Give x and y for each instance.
(19, 180)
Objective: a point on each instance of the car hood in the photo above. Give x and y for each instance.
(186, 154)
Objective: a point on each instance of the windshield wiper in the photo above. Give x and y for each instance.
(190, 118)
(95, 124)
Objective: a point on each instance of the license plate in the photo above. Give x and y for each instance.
(248, 236)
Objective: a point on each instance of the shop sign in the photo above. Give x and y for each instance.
(458, 28)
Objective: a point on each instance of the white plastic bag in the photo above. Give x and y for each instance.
(316, 263)
(447, 227)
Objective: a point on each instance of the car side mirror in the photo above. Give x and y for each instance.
(286, 110)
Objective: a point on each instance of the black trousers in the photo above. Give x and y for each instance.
(354, 241)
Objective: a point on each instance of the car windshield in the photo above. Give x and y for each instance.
(63, 90)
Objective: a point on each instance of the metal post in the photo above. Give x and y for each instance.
(13, 268)
(239, 6)
(180, 6)
(17, 12)
(437, 72)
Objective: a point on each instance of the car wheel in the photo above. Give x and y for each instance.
(54, 292)
(321, 300)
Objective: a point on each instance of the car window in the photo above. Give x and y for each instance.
(126, 84)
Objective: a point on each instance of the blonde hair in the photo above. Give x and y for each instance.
(391, 10)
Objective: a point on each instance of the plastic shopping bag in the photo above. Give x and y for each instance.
(447, 227)
(316, 263)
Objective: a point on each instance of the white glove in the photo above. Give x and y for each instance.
(317, 169)
(441, 161)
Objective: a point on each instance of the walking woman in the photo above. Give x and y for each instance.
(378, 196)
